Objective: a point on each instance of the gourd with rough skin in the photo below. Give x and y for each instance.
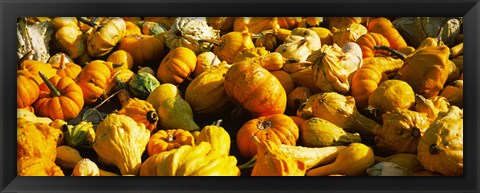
(299, 45)
(290, 160)
(391, 94)
(333, 66)
(348, 33)
(121, 141)
(351, 161)
(102, 38)
(27, 89)
(86, 167)
(278, 128)
(187, 31)
(93, 79)
(401, 131)
(30, 116)
(317, 132)
(141, 111)
(80, 135)
(177, 65)
(145, 49)
(161, 93)
(206, 93)
(441, 147)
(166, 140)
(255, 89)
(60, 98)
(431, 107)
(217, 136)
(174, 113)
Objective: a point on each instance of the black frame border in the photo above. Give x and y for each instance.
(11, 9)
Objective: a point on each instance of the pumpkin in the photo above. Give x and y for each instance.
(72, 41)
(317, 132)
(278, 128)
(254, 25)
(255, 89)
(364, 82)
(177, 66)
(104, 37)
(205, 61)
(391, 94)
(141, 111)
(60, 98)
(348, 33)
(299, 45)
(121, 141)
(285, 79)
(368, 41)
(93, 79)
(229, 44)
(453, 92)
(297, 96)
(333, 66)
(401, 131)
(131, 28)
(80, 135)
(122, 58)
(142, 84)
(441, 147)
(206, 93)
(385, 27)
(33, 67)
(145, 49)
(351, 161)
(217, 136)
(70, 70)
(27, 89)
(166, 140)
(86, 167)
(186, 31)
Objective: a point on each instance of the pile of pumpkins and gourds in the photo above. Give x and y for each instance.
(240, 96)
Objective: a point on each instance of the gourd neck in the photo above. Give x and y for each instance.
(394, 52)
(364, 124)
(54, 91)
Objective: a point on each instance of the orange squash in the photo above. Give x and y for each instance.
(67, 69)
(177, 66)
(93, 79)
(278, 128)
(385, 27)
(165, 140)
(27, 89)
(368, 41)
(143, 48)
(364, 82)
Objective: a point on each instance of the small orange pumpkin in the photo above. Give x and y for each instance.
(143, 48)
(93, 79)
(385, 27)
(278, 128)
(141, 111)
(60, 98)
(33, 67)
(165, 140)
(368, 41)
(67, 70)
(27, 89)
(364, 82)
(177, 66)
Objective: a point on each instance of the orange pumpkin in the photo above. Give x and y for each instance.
(364, 82)
(132, 28)
(122, 58)
(33, 67)
(27, 89)
(385, 27)
(143, 48)
(60, 98)
(256, 89)
(368, 41)
(165, 140)
(278, 128)
(93, 79)
(285, 79)
(177, 66)
(70, 70)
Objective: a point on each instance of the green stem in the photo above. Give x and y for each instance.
(91, 23)
(49, 84)
(394, 52)
(249, 164)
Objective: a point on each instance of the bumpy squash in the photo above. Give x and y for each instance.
(142, 84)
(166, 140)
(392, 94)
(186, 31)
(441, 147)
(121, 141)
(278, 128)
(227, 47)
(217, 136)
(317, 132)
(206, 93)
(401, 131)
(256, 89)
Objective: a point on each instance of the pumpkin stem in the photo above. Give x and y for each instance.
(117, 65)
(214, 42)
(49, 84)
(217, 122)
(62, 62)
(152, 116)
(91, 23)
(23, 58)
(434, 149)
(107, 99)
(248, 164)
(394, 52)
(264, 125)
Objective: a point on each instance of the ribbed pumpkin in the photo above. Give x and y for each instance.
(441, 147)
(141, 111)
(256, 89)
(27, 89)
(364, 82)
(144, 49)
(67, 69)
(93, 79)
(166, 140)
(278, 128)
(368, 41)
(33, 67)
(385, 27)
(177, 66)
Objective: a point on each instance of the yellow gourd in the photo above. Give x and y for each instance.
(217, 136)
